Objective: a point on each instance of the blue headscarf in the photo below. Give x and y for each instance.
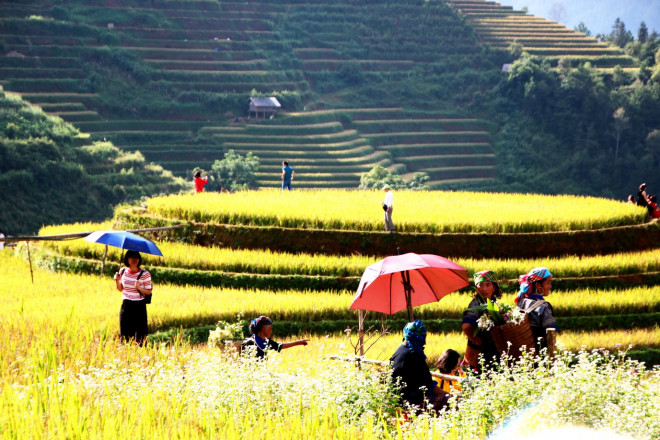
(526, 281)
(414, 334)
(259, 322)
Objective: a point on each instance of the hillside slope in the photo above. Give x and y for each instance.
(172, 79)
(49, 172)
(172, 68)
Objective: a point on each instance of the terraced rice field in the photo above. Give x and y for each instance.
(65, 372)
(221, 48)
(230, 49)
(500, 26)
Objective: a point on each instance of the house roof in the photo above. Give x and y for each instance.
(265, 102)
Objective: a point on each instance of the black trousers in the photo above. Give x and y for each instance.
(133, 321)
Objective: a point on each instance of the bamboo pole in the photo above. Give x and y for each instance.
(27, 242)
(551, 339)
(361, 359)
(105, 254)
(361, 316)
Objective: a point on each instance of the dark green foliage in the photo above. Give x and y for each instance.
(234, 172)
(46, 178)
(380, 176)
(559, 131)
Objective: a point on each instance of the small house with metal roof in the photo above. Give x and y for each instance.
(263, 107)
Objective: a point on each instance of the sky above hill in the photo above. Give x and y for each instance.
(597, 15)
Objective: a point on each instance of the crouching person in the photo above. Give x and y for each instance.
(411, 375)
(260, 342)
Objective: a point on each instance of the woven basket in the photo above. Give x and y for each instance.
(518, 335)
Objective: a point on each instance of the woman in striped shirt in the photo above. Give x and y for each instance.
(135, 285)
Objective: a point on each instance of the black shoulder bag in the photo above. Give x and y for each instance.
(147, 298)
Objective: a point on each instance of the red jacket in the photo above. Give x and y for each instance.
(200, 182)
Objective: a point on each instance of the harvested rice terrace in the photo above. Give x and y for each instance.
(499, 26)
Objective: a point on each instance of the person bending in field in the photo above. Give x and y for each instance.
(259, 343)
(410, 374)
(480, 343)
(387, 204)
(534, 286)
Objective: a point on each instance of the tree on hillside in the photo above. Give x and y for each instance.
(619, 35)
(516, 49)
(582, 28)
(653, 146)
(235, 172)
(379, 176)
(643, 33)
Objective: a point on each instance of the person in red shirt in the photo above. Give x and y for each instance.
(200, 181)
(654, 210)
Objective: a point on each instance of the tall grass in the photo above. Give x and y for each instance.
(431, 211)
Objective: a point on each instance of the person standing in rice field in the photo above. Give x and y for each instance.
(200, 181)
(480, 343)
(534, 287)
(134, 284)
(287, 175)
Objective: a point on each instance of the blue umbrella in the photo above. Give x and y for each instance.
(124, 240)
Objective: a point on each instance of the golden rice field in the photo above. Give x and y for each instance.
(64, 375)
(180, 255)
(95, 300)
(425, 211)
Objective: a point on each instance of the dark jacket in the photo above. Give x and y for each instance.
(413, 373)
(260, 347)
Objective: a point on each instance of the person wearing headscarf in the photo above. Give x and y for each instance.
(534, 287)
(260, 342)
(411, 374)
(480, 342)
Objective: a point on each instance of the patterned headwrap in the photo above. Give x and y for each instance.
(526, 281)
(484, 275)
(414, 334)
(258, 323)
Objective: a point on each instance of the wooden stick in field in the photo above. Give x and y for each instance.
(386, 364)
(551, 338)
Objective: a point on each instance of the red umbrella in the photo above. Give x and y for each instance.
(403, 281)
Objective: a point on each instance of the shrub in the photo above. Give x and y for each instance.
(380, 176)
(235, 172)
